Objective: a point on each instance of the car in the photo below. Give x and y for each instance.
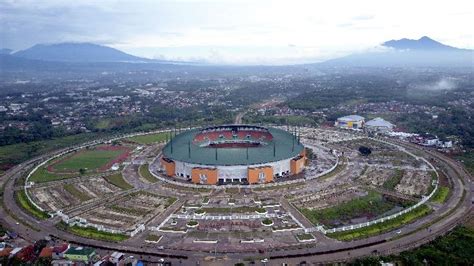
(265, 260)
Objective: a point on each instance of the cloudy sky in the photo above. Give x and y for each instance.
(239, 32)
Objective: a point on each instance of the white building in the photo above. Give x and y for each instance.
(445, 144)
(116, 257)
(379, 125)
(430, 140)
(350, 122)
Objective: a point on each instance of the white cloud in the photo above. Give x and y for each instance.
(447, 83)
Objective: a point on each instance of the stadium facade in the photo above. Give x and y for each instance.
(233, 154)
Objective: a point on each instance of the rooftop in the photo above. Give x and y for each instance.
(80, 251)
(378, 122)
(351, 118)
(46, 252)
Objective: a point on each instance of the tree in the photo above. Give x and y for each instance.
(82, 171)
(366, 151)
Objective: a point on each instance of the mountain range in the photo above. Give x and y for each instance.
(77, 52)
(424, 52)
(404, 53)
(423, 44)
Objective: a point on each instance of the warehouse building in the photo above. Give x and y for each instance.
(379, 125)
(350, 122)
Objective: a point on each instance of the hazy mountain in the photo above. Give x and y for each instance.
(423, 44)
(12, 63)
(77, 52)
(424, 52)
(6, 51)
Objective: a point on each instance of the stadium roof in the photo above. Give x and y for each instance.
(284, 145)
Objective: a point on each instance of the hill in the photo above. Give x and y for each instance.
(424, 52)
(77, 52)
(6, 51)
(423, 44)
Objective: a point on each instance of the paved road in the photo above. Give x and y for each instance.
(453, 212)
(238, 117)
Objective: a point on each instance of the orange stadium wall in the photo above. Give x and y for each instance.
(253, 173)
(297, 165)
(303, 152)
(169, 166)
(210, 173)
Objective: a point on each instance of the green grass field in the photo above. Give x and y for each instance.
(87, 159)
(76, 192)
(153, 238)
(170, 201)
(145, 173)
(393, 181)
(103, 123)
(118, 181)
(304, 237)
(17, 153)
(23, 202)
(42, 175)
(382, 227)
(150, 138)
(373, 204)
(441, 195)
(89, 232)
(135, 211)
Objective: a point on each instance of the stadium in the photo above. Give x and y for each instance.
(233, 154)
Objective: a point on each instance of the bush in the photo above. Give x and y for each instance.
(90, 232)
(366, 151)
(192, 223)
(441, 195)
(382, 227)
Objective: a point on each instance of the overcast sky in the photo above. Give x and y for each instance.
(242, 32)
